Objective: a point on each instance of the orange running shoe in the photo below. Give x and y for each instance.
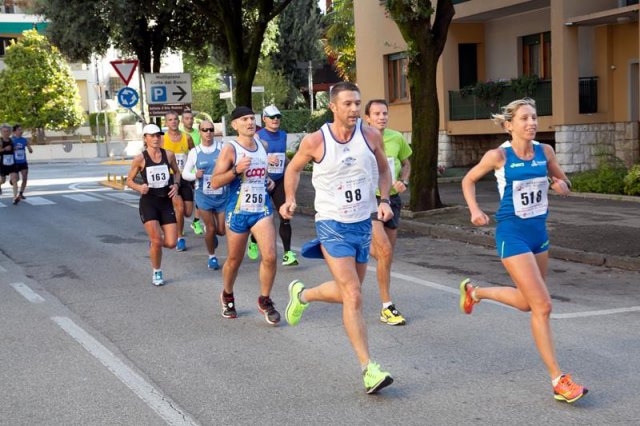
(466, 301)
(567, 390)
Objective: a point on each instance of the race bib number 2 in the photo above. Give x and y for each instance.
(207, 189)
(530, 197)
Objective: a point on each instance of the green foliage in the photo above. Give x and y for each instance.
(276, 86)
(525, 85)
(632, 181)
(341, 38)
(38, 86)
(490, 92)
(606, 179)
(300, 28)
(96, 122)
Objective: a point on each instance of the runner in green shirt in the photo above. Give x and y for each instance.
(398, 151)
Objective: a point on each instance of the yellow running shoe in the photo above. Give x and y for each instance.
(374, 379)
(391, 316)
(252, 250)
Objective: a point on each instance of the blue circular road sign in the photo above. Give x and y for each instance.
(128, 97)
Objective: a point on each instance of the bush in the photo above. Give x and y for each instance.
(606, 179)
(632, 181)
(111, 118)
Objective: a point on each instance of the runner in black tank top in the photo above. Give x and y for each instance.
(158, 188)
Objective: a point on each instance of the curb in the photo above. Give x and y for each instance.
(483, 237)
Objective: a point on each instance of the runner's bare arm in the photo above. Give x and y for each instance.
(136, 165)
(491, 160)
(309, 150)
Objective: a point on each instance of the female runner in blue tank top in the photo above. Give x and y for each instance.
(523, 168)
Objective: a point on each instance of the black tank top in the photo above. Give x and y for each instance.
(5, 144)
(158, 173)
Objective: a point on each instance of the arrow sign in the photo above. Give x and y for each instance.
(168, 88)
(125, 69)
(182, 93)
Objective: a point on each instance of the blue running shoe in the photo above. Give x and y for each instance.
(213, 263)
(181, 245)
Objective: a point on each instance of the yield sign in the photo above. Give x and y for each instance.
(125, 68)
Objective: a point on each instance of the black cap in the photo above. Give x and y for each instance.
(241, 111)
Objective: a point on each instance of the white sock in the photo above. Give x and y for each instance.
(365, 365)
(211, 256)
(385, 305)
(555, 381)
(156, 270)
(301, 297)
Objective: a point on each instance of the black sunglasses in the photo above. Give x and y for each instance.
(209, 129)
(274, 117)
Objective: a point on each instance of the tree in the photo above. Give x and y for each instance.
(341, 38)
(236, 32)
(38, 86)
(425, 40)
(144, 28)
(300, 29)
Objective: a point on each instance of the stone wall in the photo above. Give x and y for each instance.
(584, 146)
(465, 150)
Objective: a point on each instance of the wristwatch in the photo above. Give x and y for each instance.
(405, 182)
(385, 200)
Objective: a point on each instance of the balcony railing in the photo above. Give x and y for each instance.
(588, 100)
(471, 108)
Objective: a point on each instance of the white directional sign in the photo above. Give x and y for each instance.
(168, 88)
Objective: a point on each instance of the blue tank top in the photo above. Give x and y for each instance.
(523, 185)
(207, 162)
(277, 144)
(19, 149)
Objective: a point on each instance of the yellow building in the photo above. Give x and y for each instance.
(586, 53)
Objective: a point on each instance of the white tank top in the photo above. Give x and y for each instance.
(345, 179)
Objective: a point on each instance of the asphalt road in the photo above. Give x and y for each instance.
(86, 338)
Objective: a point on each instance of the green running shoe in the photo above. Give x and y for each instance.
(374, 379)
(289, 259)
(295, 307)
(197, 227)
(252, 250)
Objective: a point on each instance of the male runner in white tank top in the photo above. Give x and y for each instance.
(349, 162)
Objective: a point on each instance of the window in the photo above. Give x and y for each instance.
(398, 86)
(536, 55)
(467, 64)
(4, 43)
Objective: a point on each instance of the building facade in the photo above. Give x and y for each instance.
(585, 57)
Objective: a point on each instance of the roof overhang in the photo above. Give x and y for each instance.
(620, 15)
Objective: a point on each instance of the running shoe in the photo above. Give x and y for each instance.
(392, 316)
(568, 391)
(252, 250)
(466, 301)
(228, 306)
(22, 197)
(295, 307)
(181, 245)
(374, 379)
(197, 227)
(16, 200)
(289, 259)
(265, 306)
(157, 279)
(213, 263)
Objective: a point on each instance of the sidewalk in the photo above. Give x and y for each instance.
(585, 228)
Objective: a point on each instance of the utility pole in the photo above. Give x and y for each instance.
(311, 86)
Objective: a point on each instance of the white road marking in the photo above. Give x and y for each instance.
(170, 412)
(38, 201)
(81, 198)
(2, 205)
(27, 293)
(64, 181)
(596, 313)
(126, 196)
(2, 269)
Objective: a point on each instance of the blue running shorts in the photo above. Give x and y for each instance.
(340, 240)
(241, 223)
(517, 236)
